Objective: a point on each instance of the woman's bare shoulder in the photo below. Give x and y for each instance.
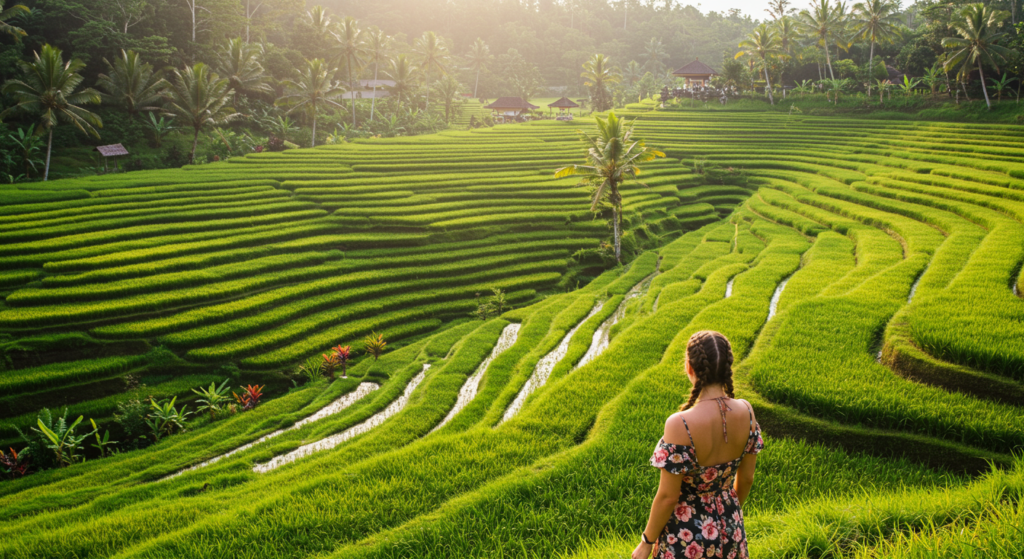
(675, 431)
(746, 405)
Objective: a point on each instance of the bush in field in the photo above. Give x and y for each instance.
(213, 398)
(60, 438)
(166, 419)
(131, 417)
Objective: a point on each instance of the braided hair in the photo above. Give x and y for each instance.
(710, 355)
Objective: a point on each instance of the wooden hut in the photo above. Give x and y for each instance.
(510, 108)
(113, 150)
(696, 73)
(564, 105)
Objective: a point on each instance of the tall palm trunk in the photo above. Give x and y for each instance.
(768, 83)
(871, 66)
(373, 102)
(616, 211)
(353, 100)
(828, 61)
(984, 89)
(426, 107)
(195, 142)
(49, 147)
(313, 141)
(476, 86)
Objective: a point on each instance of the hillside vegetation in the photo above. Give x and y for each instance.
(867, 273)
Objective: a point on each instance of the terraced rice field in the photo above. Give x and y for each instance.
(867, 273)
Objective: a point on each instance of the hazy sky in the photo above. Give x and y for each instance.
(753, 8)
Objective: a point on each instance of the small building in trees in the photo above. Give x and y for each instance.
(510, 108)
(696, 73)
(113, 150)
(564, 106)
(368, 89)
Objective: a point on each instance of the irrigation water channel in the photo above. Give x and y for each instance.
(334, 440)
(773, 305)
(602, 337)
(469, 389)
(334, 407)
(544, 367)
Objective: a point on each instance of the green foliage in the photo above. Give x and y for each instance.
(165, 419)
(212, 398)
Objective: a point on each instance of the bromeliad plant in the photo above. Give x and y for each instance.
(342, 354)
(213, 398)
(613, 158)
(250, 397)
(165, 419)
(375, 345)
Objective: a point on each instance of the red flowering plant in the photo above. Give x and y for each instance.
(330, 363)
(14, 464)
(341, 355)
(249, 397)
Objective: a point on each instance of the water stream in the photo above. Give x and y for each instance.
(774, 304)
(913, 288)
(334, 440)
(728, 288)
(334, 407)
(544, 367)
(602, 338)
(469, 388)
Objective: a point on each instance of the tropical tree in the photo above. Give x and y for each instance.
(378, 45)
(479, 57)
(314, 89)
(762, 43)
(48, 89)
(197, 98)
(432, 54)
(908, 85)
(876, 21)
(11, 13)
(403, 73)
(239, 63)
(131, 84)
(632, 73)
(821, 22)
(351, 50)
(933, 78)
(613, 158)
(28, 146)
(212, 398)
(654, 53)
(598, 74)
(320, 25)
(978, 42)
(448, 88)
(1001, 85)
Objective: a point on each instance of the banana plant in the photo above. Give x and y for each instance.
(908, 85)
(212, 398)
(804, 87)
(1001, 85)
(933, 79)
(29, 148)
(165, 419)
(160, 127)
(62, 440)
(103, 444)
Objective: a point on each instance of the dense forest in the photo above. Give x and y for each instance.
(274, 74)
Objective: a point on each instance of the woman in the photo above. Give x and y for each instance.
(705, 474)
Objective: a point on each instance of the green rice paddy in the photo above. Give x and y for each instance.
(868, 274)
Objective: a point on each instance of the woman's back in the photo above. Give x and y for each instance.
(715, 440)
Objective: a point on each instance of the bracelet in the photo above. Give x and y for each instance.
(643, 537)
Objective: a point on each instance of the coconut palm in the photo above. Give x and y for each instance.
(404, 74)
(978, 42)
(239, 63)
(313, 90)
(378, 45)
(598, 75)
(198, 98)
(320, 24)
(821, 22)
(479, 56)
(613, 158)
(762, 43)
(876, 21)
(351, 49)
(11, 13)
(654, 52)
(432, 54)
(48, 89)
(448, 88)
(131, 84)
(632, 73)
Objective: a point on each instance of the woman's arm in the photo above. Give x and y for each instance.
(665, 501)
(745, 477)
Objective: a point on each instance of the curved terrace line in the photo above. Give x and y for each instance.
(335, 440)
(544, 367)
(508, 337)
(913, 288)
(334, 407)
(602, 338)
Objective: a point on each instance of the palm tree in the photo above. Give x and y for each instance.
(403, 73)
(198, 97)
(48, 89)
(131, 84)
(876, 21)
(239, 63)
(479, 57)
(821, 22)
(787, 33)
(314, 89)
(978, 42)
(613, 158)
(377, 47)
(762, 43)
(654, 52)
(599, 74)
(632, 73)
(432, 54)
(448, 88)
(351, 49)
(11, 13)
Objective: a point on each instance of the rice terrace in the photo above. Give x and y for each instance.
(440, 343)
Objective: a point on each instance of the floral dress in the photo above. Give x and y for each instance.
(708, 521)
